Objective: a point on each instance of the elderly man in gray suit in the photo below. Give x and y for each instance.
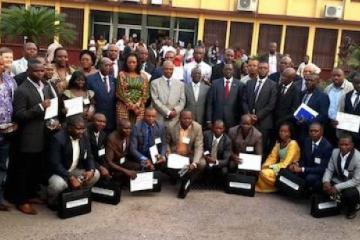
(196, 95)
(168, 96)
(342, 176)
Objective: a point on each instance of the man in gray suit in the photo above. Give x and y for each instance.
(168, 96)
(259, 101)
(196, 95)
(342, 176)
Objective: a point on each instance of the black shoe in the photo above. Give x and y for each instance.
(184, 188)
(351, 214)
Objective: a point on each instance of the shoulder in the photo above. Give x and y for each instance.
(256, 132)
(196, 126)
(294, 144)
(60, 136)
(335, 153)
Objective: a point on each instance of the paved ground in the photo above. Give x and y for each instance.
(202, 215)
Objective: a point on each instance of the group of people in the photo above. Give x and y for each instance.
(211, 115)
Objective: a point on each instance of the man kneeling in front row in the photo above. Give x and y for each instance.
(72, 164)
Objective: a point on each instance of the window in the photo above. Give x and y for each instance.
(325, 47)
(101, 24)
(241, 36)
(76, 17)
(130, 19)
(215, 31)
(158, 21)
(268, 33)
(185, 29)
(296, 43)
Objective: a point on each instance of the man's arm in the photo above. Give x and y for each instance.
(21, 112)
(182, 100)
(56, 156)
(134, 146)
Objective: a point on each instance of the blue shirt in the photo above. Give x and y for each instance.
(334, 97)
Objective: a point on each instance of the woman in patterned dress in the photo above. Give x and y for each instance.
(132, 91)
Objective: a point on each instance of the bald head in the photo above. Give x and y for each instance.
(170, 56)
(288, 75)
(168, 69)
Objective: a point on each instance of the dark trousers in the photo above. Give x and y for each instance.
(121, 177)
(27, 170)
(215, 174)
(267, 141)
(349, 198)
(4, 155)
(313, 182)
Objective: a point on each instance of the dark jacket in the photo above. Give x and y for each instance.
(223, 150)
(287, 104)
(61, 154)
(97, 146)
(277, 75)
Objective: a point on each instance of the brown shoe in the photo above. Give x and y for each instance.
(36, 201)
(4, 207)
(27, 209)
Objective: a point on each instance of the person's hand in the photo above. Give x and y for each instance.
(172, 114)
(297, 169)
(88, 175)
(253, 118)
(236, 159)
(149, 165)
(160, 160)
(131, 174)
(292, 168)
(104, 172)
(327, 188)
(191, 167)
(74, 183)
(210, 159)
(46, 103)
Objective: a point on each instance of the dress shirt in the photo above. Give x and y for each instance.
(19, 66)
(261, 86)
(272, 63)
(107, 81)
(76, 153)
(196, 89)
(286, 87)
(181, 147)
(353, 97)
(205, 70)
(115, 68)
(215, 143)
(334, 97)
(39, 88)
(97, 134)
(316, 143)
(306, 98)
(343, 160)
(230, 81)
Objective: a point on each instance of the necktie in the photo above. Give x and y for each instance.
(196, 92)
(283, 89)
(143, 67)
(305, 99)
(357, 99)
(257, 89)
(105, 83)
(314, 147)
(149, 137)
(214, 148)
(168, 83)
(227, 89)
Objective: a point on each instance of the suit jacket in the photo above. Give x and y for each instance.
(287, 104)
(164, 100)
(348, 106)
(20, 78)
(217, 71)
(264, 106)
(153, 71)
(198, 107)
(152, 57)
(195, 146)
(319, 101)
(322, 152)
(105, 102)
(138, 148)
(265, 58)
(61, 154)
(240, 144)
(277, 75)
(96, 146)
(333, 171)
(218, 108)
(223, 149)
(30, 116)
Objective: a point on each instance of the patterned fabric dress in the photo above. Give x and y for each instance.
(131, 89)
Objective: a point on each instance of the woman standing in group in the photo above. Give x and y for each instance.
(132, 91)
(77, 88)
(63, 71)
(285, 152)
(87, 62)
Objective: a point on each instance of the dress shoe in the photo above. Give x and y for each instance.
(27, 209)
(4, 207)
(351, 214)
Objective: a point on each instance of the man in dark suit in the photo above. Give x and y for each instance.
(218, 69)
(30, 102)
(272, 58)
(288, 98)
(196, 95)
(285, 63)
(104, 87)
(146, 65)
(224, 99)
(352, 106)
(97, 138)
(315, 99)
(259, 100)
(146, 134)
(72, 163)
(315, 156)
(217, 151)
(153, 54)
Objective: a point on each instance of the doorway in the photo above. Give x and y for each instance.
(129, 31)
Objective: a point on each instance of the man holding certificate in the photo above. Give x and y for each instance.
(148, 142)
(186, 140)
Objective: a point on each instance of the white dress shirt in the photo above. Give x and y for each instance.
(97, 134)
(105, 78)
(40, 89)
(272, 64)
(196, 89)
(76, 153)
(204, 67)
(261, 86)
(343, 160)
(287, 87)
(19, 66)
(353, 98)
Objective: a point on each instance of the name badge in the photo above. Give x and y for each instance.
(206, 153)
(346, 173)
(186, 140)
(101, 152)
(122, 160)
(85, 154)
(249, 149)
(317, 160)
(86, 101)
(157, 140)
(211, 164)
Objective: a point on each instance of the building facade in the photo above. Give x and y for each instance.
(300, 27)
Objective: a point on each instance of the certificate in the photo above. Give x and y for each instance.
(53, 109)
(143, 181)
(348, 122)
(176, 161)
(250, 162)
(153, 153)
(74, 106)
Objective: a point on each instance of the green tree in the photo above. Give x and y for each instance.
(354, 60)
(36, 23)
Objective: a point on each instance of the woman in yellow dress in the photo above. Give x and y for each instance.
(132, 91)
(285, 152)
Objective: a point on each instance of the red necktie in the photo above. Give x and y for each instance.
(227, 89)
